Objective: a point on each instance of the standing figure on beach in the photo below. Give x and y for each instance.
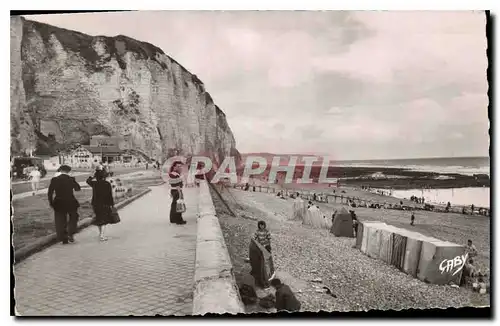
(263, 236)
(102, 201)
(175, 181)
(470, 249)
(354, 222)
(64, 204)
(412, 218)
(35, 177)
(472, 209)
(333, 216)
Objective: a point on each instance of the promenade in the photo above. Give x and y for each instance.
(145, 268)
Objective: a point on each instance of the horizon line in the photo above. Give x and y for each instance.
(371, 159)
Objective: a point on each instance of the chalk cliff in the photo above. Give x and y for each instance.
(67, 86)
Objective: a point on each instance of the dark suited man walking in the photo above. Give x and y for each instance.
(64, 204)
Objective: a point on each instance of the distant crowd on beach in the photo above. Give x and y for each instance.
(366, 203)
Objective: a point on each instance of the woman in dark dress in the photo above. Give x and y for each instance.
(102, 201)
(176, 191)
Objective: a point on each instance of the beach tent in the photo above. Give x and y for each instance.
(299, 209)
(307, 216)
(342, 224)
(316, 218)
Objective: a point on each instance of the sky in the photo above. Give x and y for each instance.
(348, 84)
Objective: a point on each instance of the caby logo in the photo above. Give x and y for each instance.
(448, 265)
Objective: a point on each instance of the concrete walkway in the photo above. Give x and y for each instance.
(145, 268)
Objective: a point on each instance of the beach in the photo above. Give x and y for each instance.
(306, 255)
(452, 226)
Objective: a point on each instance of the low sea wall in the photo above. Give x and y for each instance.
(215, 290)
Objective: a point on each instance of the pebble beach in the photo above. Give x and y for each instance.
(328, 274)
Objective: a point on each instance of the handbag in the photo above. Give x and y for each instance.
(180, 206)
(114, 216)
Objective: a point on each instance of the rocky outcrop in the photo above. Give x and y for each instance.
(67, 86)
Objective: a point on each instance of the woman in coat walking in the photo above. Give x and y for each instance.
(102, 201)
(175, 181)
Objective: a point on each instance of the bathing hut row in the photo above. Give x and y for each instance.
(429, 259)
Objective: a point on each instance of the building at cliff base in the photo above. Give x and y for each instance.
(103, 149)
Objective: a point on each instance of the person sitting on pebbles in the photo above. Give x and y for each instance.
(469, 273)
(285, 299)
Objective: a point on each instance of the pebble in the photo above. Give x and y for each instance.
(359, 283)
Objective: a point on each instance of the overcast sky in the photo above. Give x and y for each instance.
(355, 85)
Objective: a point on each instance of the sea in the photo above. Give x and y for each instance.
(466, 196)
(460, 165)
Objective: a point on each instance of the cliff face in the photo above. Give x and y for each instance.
(67, 86)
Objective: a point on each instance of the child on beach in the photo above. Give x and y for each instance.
(263, 236)
(412, 218)
(470, 249)
(354, 222)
